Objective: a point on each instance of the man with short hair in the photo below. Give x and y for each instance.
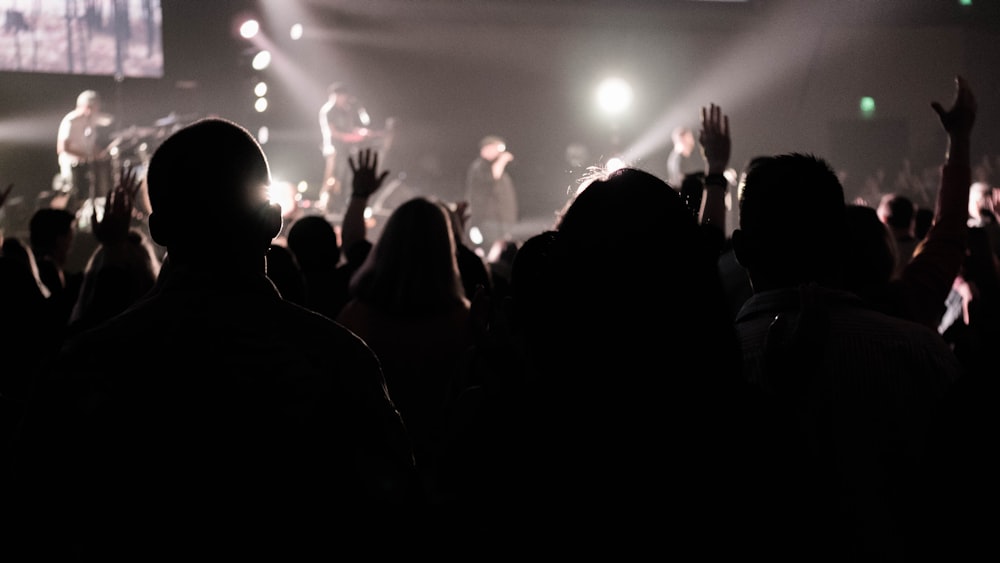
(80, 146)
(490, 193)
(213, 413)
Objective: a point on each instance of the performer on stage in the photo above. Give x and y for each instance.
(84, 163)
(490, 191)
(344, 124)
(684, 157)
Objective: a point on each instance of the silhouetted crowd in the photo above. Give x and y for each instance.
(816, 385)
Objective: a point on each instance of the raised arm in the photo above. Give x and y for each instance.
(936, 261)
(366, 182)
(114, 226)
(957, 122)
(716, 147)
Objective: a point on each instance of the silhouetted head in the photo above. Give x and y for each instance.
(314, 242)
(50, 233)
(871, 255)
(692, 188)
(897, 211)
(412, 270)
(793, 223)
(207, 187)
(629, 249)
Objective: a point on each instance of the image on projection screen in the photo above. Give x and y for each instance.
(119, 38)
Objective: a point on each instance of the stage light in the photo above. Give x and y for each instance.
(283, 193)
(476, 236)
(263, 134)
(260, 105)
(614, 96)
(260, 89)
(295, 32)
(614, 163)
(262, 60)
(249, 29)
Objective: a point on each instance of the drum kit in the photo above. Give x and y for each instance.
(131, 147)
(137, 143)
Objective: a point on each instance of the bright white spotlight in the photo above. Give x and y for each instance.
(614, 95)
(282, 193)
(295, 32)
(263, 134)
(260, 105)
(476, 236)
(249, 29)
(260, 89)
(262, 60)
(614, 163)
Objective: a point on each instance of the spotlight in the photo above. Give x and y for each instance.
(260, 105)
(614, 163)
(260, 89)
(295, 32)
(476, 236)
(283, 193)
(262, 60)
(614, 96)
(249, 29)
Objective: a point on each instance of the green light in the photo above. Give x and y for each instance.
(965, 2)
(867, 106)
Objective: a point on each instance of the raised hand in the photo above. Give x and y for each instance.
(714, 139)
(117, 208)
(366, 180)
(959, 118)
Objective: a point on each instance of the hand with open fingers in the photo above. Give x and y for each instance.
(959, 118)
(366, 178)
(716, 145)
(118, 204)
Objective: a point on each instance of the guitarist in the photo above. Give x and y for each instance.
(84, 162)
(344, 124)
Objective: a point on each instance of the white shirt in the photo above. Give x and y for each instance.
(78, 139)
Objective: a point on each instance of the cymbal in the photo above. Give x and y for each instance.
(173, 119)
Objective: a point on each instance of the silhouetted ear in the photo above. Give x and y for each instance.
(742, 248)
(271, 220)
(158, 230)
